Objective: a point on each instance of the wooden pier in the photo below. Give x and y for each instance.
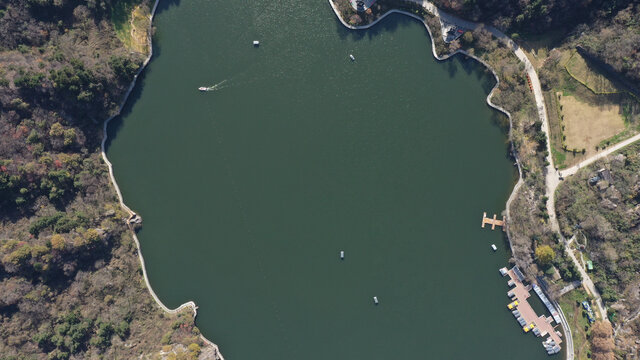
(493, 222)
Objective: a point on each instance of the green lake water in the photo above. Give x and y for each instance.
(249, 193)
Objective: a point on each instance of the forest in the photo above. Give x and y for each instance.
(608, 29)
(70, 277)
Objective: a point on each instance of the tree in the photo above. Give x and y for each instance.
(467, 37)
(56, 129)
(92, 236)
(194, 350)
(69, 136)
(541, 138)
(57, 242)
(545, 254)
(123, 67)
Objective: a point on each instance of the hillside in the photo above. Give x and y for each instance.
(70, 280)
(603, 216)
(608, 30)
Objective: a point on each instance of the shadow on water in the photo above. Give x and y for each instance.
(166, 5)
(452, 66)
(115, 124)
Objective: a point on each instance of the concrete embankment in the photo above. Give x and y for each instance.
(132, 215)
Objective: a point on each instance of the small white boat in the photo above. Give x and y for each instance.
(202, 88)
(493, 246)
(256, 43)
(375, 300)
(342, 255)
(352, 57)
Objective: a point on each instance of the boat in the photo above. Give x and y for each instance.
(256, 43)
(352, 57)
(493, 246)
(202, 88)
(342, 255)
(375, 300)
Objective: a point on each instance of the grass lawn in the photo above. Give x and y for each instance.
(587, 124)
(586, 74)
(581, 118)
(570, 304)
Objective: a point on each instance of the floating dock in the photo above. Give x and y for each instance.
(541, 326)
(493, 222)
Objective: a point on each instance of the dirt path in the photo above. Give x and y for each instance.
(139, 37)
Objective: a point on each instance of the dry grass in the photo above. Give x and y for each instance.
(139, 29)
(132, 22)
(586, 74)
(586, 125)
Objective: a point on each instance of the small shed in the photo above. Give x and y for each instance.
(589, 265)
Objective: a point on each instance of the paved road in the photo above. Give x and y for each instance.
(572, 170)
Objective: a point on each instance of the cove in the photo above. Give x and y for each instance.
(248, 193)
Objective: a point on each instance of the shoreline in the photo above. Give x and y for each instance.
(446, 57)
(541, 113)
(189, 304)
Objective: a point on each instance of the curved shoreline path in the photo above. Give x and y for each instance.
(551, 178)
(132, 215)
